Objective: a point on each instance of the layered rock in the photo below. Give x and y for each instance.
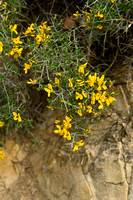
(101, 170)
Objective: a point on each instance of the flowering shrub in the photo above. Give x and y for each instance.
(80, 94)
(56, 64)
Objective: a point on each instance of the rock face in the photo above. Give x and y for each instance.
(17, 179)
(9, 170)
(101, 170)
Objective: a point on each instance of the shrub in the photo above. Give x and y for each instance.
(55, 62)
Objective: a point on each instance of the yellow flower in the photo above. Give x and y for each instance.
(80, 82)
(89, 109)
(26, 67)
(5, 19)
(99, 15)
(88, 130)
(66, 134)
(60, 131)
(32, 81)
(98, 95)
(57, 121)
(98, 88)
(50, 86)
(112, 1)
(99, 26)
(16, 52)
(50, 107)
(77, 14)
(13, 28)
(29, 29)
(91, 80)
(103, 97)
(87, 74)
(100, 80)
(2, 156)
(110, 83)
(70, 83)
(93, 98)
(2, 124)
(16, 40)
(4, 4)
(96, 113)
(5, 25)
(101, 106)
(43, 27)
(57, 81)
(66, 122)
(79, 112)
(49, 89)
(77, 144)
(104, 86)
(110, 100)
(17, 117)
(84, 25)
(58, 74)
(85, 12)
(81, 68)
(78, 96)
(1, 46)
(88, 18)
(38, 39)
(81, 105)
(84, 94)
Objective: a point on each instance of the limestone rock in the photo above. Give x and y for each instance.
(9, 167)
(101, 170)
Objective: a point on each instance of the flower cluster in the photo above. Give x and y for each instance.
(40, 33)
(95, 96)
(63, 128)
(99, 15)
(28, 65)
(42, 37)
(88, 17)
(81, 93)
(16, 51)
